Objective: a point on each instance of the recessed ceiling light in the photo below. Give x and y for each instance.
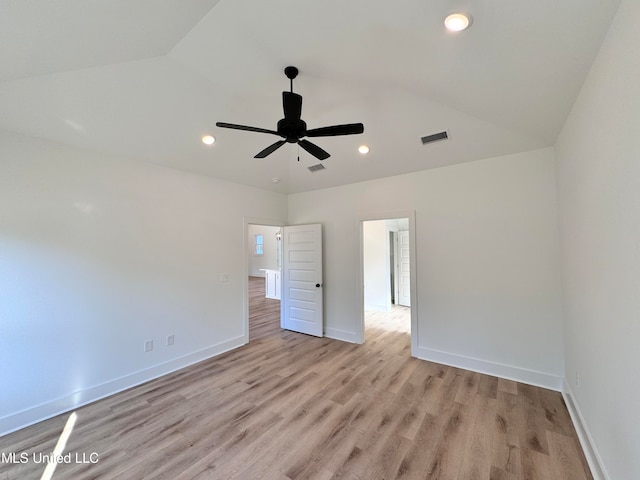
(363, 149)
(456, 22)
(208, 140)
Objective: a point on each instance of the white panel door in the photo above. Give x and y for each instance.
(404, 280)
(301, 308)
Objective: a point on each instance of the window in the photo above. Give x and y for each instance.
(259, 250)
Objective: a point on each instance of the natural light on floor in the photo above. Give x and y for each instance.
(398, 319)
(59, 448)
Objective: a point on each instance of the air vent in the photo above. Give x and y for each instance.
(316, 167)
(434, 138)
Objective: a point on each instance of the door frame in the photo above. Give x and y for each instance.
(398, 266)
(365, 217)
(246, 221)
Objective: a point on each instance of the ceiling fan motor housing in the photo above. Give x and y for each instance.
(292, 129)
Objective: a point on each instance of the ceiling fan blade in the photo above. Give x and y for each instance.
(292, 105)
(335, 130)
(313, 149)
(244, 127)
(270, 149)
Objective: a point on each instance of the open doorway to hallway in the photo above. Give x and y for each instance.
(386, 274)
(264, 261)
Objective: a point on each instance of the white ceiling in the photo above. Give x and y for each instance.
(145, 79)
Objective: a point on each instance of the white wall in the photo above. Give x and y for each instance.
(488, 283)
(98, 255)
(376, 266)
(269, 259)
(598, 157)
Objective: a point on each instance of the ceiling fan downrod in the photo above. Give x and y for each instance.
(291, 73)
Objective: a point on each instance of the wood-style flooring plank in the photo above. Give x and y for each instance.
(289, 406)
(506, 453)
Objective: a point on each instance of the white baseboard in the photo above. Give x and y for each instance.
(586, 441)
(44, 411)
(337, 334)
(509, 372)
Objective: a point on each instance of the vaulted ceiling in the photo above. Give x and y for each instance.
(145, 79)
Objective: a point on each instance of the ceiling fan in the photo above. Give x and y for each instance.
(293, 129)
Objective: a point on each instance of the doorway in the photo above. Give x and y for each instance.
(387, 276)
(263, 254)
(283, 283)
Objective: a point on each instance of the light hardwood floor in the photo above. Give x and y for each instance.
(291, 406)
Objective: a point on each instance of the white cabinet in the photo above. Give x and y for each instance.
(272, 283)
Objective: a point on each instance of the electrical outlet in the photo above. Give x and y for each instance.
(224, 277)
(170, 339)
(148, 346)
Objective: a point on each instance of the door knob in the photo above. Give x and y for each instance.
(317, 285)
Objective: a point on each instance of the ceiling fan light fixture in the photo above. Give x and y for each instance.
(363, 149)
(208, 139)
(458, 21)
